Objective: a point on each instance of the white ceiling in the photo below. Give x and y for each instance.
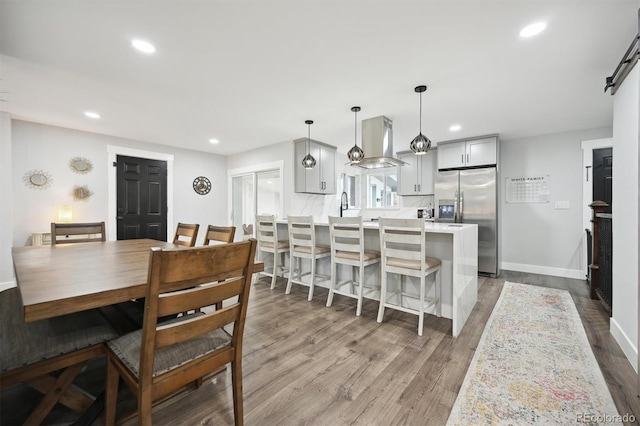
(249, 72)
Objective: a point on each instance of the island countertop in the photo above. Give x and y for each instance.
(430, 226)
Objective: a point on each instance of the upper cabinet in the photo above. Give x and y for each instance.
(416, 177)
(468, 153)
(321, 179)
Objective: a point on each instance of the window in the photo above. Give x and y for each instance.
(350, 185)
(382, 189)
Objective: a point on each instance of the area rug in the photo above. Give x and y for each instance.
(534, 365)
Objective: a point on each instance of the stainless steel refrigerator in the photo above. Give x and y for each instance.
(471, 196)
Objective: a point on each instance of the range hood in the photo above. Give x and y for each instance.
(377, 144)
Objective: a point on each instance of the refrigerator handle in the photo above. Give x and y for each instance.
(456, 206)
(461, 206)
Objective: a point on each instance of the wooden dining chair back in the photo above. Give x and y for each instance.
(186, 234)
(223, 234)
(162, 358)
(48, 354)
(66, 233)
(404, 252)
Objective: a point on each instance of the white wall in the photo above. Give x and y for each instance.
(6, 212)
(624, 323)
(537, 237)
(38, 146)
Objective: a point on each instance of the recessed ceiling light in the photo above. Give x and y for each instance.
(92, 114)
(143, 46)
(533, 29)
(214, 141)
(455, 127)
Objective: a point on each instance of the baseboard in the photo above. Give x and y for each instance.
(543, 270)
(7, 285)
(630, 351)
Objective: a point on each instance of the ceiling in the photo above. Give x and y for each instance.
(250, 72)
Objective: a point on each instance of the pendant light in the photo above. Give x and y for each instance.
(308, 161)
(420, 144)
(355, 154)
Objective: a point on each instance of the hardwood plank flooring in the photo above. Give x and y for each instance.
(305, 363)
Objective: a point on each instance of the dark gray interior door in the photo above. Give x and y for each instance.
(141, 193)
(603, 175)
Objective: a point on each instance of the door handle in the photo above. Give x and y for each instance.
(467, 158)
(462, 159)
(120, 218)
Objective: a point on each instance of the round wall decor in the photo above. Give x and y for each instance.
(80, 165)
(81, 192)
(202, 185)
(37, 179)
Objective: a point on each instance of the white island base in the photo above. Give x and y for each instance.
(456, 245)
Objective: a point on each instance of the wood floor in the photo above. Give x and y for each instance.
(305, 363)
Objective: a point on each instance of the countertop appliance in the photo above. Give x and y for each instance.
(471, 196)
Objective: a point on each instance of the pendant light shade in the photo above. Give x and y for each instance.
(308, 161)
(355, 154)
(420, 144)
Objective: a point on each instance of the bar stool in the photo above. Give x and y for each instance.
(402, 242)
(267, 236)
(347, 248)
(302, 238)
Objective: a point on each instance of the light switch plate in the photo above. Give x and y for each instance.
(562, 205)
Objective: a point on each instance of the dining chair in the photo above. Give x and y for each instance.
(347, 248)
(48, 354)
(223, 234)
(403, 247)
(186, 234)
(269, 242)
(302, 240)
(160, 359)
(92, 232)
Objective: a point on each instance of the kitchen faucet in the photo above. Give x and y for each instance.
(344, 203)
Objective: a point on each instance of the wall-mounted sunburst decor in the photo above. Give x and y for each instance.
(81, 192)
(80, 165)
(37, 179)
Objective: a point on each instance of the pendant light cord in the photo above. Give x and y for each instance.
(355, 129)
(420, 112)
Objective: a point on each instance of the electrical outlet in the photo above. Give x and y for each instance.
(562, 205)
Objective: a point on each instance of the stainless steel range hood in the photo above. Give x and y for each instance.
(377, 144)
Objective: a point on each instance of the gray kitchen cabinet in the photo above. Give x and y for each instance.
(322, 178)
(417, 176)
(468, 153)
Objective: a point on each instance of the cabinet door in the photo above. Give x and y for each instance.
(481, 152)
(408, 174)
(328, 170)
(428, 169)
(451, 155)
(300, 178)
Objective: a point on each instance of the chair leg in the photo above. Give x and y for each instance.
(111, 394)
(292, 260)
(421, 308)
(236, 383)
(275, 269)
(438, 284)
(383, 295)
(360, 289)
(313, 279)
(334, 279)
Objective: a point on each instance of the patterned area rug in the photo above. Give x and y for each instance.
(534, 365)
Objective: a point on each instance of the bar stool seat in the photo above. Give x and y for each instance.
(302, 240)
(268, 242)
(347, 248)
(403, 246)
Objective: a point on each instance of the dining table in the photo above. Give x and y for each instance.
(64, 279)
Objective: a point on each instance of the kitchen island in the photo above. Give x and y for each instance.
(456, 245)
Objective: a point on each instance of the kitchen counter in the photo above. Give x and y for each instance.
(456, 245)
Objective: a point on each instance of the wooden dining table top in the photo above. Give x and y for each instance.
(69, 278)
